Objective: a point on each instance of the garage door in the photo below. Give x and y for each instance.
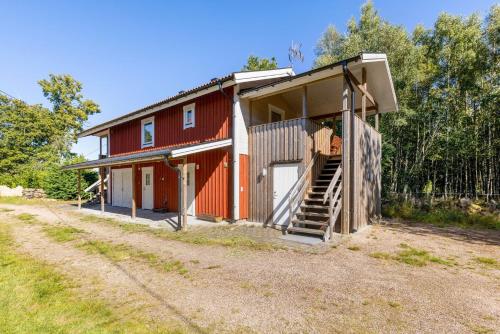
(122, 187)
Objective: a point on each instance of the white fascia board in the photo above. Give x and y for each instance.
(294, 82)
(152, 110)
(365, 57)
(240, 77)
(382, 57)
(181, 152)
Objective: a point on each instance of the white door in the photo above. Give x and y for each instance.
(116, 192)
(284, 178)
(147, 188)
(122, 187)
(191, 189)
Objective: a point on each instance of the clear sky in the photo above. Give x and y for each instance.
(129, 54)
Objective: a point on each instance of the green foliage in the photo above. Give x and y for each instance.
(442, 216)
(34, 139)
(255, 63)
(63, 184)
(447, 131)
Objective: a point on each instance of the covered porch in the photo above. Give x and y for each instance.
(175, 159)
(323, 126)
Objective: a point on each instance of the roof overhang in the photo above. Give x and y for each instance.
(212, 86)
(376, 65)
(152, 155)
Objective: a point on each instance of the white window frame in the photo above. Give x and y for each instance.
(273, 108)
(185, 109)
(143, 122)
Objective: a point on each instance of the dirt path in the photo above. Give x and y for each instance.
(283, 291)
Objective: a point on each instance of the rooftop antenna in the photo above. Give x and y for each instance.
(294, 53)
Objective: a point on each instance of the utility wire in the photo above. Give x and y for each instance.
(7, 94)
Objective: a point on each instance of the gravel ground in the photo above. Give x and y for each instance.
(324, 289)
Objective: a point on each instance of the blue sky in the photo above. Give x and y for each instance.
(131, 54)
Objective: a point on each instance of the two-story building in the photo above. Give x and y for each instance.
(294, 152)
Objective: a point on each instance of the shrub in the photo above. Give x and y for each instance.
(63, 184)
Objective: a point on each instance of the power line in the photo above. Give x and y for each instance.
(7, 94)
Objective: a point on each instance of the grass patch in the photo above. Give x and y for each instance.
(354, 248)
(381, 255)
(122, 252)
(63, 233)
(488, 262)
(26, 217)
(413, 257)
(216, 266)
(194, 236)
(34, 298)
(22, 201)
(443, 217)
(5, 210)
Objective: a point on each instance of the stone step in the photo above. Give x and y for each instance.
(304, 230)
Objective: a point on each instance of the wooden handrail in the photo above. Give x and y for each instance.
(300, 186)
(333, 182)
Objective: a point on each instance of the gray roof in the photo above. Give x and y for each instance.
(122, 159)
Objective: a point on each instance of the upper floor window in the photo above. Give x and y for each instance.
(276, 114)
(189, 112)
(148, 132)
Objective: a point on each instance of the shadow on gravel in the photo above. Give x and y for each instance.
(489, 237)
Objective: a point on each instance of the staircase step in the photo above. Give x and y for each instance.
(316, 193)
(318, 207)
(306, 230)
(309, 222)
(313, 214)
(330, 175)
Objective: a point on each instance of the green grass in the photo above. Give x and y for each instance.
(22, 201)
(34, 298)
(488, 262)
(443, 217)
(26, 217)
(354, 248)
(63, 233)
(413, 257)
(194, 236)
(122, 252)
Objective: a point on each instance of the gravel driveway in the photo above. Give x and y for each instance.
(358, 286)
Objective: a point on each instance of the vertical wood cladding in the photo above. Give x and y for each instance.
(212, 122)
(244, 178)
(212, 184)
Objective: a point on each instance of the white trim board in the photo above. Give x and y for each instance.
(181, 152)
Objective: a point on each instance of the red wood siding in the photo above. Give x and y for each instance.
(244, 176)
(212, 122)
(212, 184)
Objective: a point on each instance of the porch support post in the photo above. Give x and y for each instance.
(79, 189)
(101, 187)
(134, 190)
(346, 126)
(363, 94)
(304, 102)
(184, 194)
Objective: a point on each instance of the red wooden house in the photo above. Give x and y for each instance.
(259, 146)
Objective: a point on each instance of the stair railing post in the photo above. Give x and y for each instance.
(330, 212)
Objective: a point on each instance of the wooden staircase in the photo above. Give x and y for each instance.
(320, 207)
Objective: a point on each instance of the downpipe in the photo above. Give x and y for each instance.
(178, 171)
(234, 153)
